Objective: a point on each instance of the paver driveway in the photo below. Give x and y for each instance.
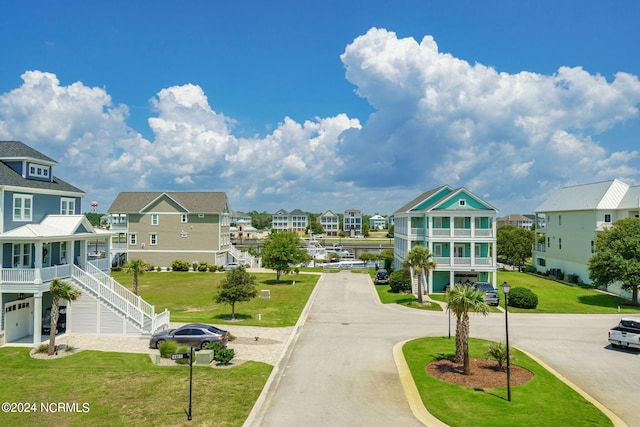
(340, 369)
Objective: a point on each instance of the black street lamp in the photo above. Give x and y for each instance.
(505, 289)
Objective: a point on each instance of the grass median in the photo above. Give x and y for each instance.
(543, 401)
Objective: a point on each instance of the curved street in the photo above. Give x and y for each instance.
(339, 368)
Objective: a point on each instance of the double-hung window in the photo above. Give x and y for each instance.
(154, 219)
(133, 239)
(22, 207)
(153, 239)
(67, 206)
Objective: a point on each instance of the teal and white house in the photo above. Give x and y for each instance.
(43, 236)
(458, 227)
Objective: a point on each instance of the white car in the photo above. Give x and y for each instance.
(231, 266)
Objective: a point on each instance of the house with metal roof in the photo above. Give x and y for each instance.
(160, 227)
(571, 219)
(458, 228)
(43, 236)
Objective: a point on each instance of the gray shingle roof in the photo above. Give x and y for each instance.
(17, 149)
(196, 201)
(9, 177)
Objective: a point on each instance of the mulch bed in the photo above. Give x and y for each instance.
(484, 373)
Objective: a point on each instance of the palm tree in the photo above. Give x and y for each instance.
(135, 267)
(59, 291)
(419, 259)
(462, 300)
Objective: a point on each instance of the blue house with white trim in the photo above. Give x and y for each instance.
(43, 236)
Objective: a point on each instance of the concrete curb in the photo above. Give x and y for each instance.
(425, 417)
(259, 409)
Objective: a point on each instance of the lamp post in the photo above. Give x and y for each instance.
(505, 289)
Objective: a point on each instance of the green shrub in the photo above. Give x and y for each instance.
(167, 348)
(179, 265)
(530, 269)
(159, 268)
(574, 278)
(203, 266)
(221, 355)
(221, 268)
(117, 268)
(400, 281)
(183, 350)
(498, 351)
(522, 298)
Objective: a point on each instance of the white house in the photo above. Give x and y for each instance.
(459, 229)
(572, 217)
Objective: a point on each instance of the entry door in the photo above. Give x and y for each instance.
(459, 251)
(46, 254)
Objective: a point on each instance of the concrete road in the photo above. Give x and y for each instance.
(340, 369)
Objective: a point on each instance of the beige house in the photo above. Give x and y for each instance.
(160, 227)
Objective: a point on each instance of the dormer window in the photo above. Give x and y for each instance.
(462, 202)
(38, 171)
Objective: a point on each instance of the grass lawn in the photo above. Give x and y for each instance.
(544, 401)
(189, 297)
(127, 390)
(408, 300)
(557, 297)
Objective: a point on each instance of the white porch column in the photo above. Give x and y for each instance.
(38, 263)
(71, 252)
(430, 291)
(37, 319)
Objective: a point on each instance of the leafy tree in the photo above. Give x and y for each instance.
(386, 255)
(462, 300)
(237, 286)
(281, 251)
(94, 218)
(260, 220)
(59, 291)
(419, 259)
(391, 231)
(135, 267)
(617, 257)
(315, 227)
(515, 243)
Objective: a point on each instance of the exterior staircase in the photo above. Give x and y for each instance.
(245, 258)
(119, 300)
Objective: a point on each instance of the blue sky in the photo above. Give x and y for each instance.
(325, 105)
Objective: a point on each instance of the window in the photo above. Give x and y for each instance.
(462, 202)
(592, 247)
(458, 222)
(38, 170)
(437, 249)
(437, 222)
(154, 219)
(22, 255)
(133, 239)
(607, 217)
(67, 206)
(153, 239)
(559, 219)
(63, 252)
(477, 249)
(183, 218)
(22, 206)
(560, 243)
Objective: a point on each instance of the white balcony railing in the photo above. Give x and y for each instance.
(464, 261)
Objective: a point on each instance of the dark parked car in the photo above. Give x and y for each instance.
(491, 295)
(382, 277)
(193, 335)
